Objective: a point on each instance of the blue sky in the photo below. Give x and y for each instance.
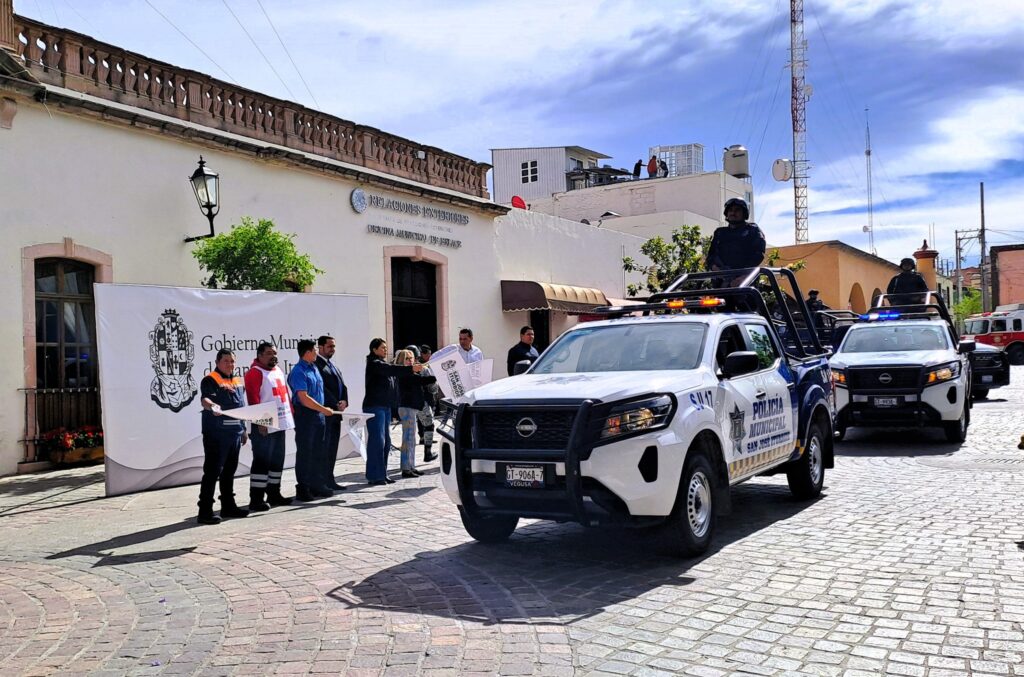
(944, 81)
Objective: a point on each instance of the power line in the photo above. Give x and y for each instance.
(191, 42)
(254, 44)
(289, 54)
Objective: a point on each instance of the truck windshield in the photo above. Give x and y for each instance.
(629, 347)
(889, 339)
(977, 326)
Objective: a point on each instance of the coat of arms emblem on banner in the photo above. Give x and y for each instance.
(172, 354)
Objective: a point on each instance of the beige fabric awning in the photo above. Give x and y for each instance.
(518, 295)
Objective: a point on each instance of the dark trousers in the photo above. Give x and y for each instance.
(309, 450)
(220, 461)
(267, 460)
(332, 437)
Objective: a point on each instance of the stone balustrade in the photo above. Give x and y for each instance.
(78, 62)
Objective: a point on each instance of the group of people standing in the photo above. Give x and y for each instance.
(656, 169)
(310, 401)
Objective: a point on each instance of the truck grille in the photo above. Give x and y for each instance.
(874, 378)
(987, 360)
(501, 429)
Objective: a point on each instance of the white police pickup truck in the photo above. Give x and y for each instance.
(647, 420)
(900, 366)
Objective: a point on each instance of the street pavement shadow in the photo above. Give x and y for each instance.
(897, 442)
(101, 549)
(553, 573)
(57, 481)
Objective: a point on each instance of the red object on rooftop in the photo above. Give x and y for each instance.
(518, 202)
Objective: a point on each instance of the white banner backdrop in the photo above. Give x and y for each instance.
(155, 344)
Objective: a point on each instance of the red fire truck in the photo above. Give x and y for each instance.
(1002, 328)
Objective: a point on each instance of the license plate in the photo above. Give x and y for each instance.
(886, 401)
(524, 476)
(986, 378)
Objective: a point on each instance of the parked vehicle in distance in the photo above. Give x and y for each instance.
(1002, 328)
(649, 420)
(990, 368)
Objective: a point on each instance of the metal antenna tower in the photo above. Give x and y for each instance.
(798, 96)
(867, 160)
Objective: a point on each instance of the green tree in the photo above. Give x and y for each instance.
(685, 253)
(774, 256)
(969, 304)
(254, 255)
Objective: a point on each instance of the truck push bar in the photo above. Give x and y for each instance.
(740, 290)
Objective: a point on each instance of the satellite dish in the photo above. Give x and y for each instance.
(518, 202)
(782, 170)
(808, 91)
(866, 229)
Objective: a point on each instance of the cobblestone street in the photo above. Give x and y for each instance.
(909, 564)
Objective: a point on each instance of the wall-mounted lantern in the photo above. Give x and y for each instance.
(206, 185)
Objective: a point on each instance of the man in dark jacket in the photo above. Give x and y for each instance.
(523, 350)
(336, 398)
(738, 245)
(908, 287)
(815, 305)
(637, 168)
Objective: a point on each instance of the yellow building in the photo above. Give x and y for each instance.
(845, 277)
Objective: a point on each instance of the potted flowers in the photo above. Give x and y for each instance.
(74, 445)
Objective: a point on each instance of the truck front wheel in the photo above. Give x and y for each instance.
(690, 527)
(806, 475)
(489, 529)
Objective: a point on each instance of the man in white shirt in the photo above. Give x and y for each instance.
(470, 353)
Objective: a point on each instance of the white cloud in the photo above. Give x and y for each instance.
(974, 136)
(954, 24)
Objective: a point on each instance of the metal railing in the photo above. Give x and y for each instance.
(47, 409)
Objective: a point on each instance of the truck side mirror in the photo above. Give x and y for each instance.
(520, 367)
(740, 362)
(967, 347)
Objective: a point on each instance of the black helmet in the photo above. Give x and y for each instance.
(909, 261)
(737, 202)
(813, 292)
(415, 350)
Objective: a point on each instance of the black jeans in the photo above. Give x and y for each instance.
(332, 437)
(220, 461)
(309, 450)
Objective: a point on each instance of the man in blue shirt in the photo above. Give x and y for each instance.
(307, 388)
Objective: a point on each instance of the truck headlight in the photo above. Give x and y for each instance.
(946, 372)
(839, 377)
(638, 416)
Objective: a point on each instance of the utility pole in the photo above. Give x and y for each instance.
(798, 100)
(957, 282)
(981, 238)
(867, 162)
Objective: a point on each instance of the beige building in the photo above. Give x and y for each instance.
(846, 277)
(96, 144)
(652, 206)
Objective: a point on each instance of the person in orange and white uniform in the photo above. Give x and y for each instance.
(265, 382)
(223, 438)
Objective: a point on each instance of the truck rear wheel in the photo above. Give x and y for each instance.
(980, 393)
(489, 529)
(1015, 353)
(806, 475)
(690, 527)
